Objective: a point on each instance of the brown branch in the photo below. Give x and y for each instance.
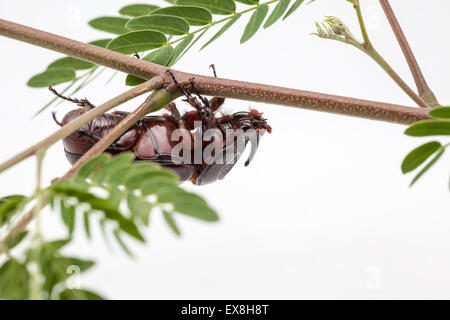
(216, 86)
(422, 86)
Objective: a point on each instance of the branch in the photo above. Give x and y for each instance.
(370, 50)
(220, 87)
(422, 86)
(72, 126)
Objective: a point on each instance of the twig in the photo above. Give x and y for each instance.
(69, 128)
(216, 86)
(370, 50)
(362, 25)
(422, 86)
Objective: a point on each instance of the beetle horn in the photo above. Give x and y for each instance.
(254, 147)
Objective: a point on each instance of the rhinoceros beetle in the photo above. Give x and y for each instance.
(155, 138)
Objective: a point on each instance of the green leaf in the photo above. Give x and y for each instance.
(69, 189)
(294, 7)
(120, 161)
(58, 244)
(15, 240)
(92, 165)
(14, 280)
(277, 13)
(114, 25)
(442, 112)
(68, 216)
(193, 43)
(139, 207)
(255, 22)
(102, 43)
(9, 206)
(122, 244)
(170, 25)
(223, 29)
(82, 264)
(79, 294)
(215, 6)
(87, 225)
(249, 2)
(427, 167)
(136, 41)
(136, 10)
(419, 155)
(168, 216)
(160, 56)
(51, 77)
(70, 63)
(179, 49)
(195, 16)
(139, 177)
(188, 204)
(429, 128)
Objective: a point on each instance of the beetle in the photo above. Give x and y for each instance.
(152, 137)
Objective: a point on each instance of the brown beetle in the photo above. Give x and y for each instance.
(155, 138)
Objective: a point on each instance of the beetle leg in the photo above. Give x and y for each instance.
(172, 108)
(202, 98)
(215, 103)
(82, 103)
(136, 55)
(213, 67)
(253, 150)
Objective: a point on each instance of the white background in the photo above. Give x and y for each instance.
(322, 212)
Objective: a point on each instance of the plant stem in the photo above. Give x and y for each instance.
(72, 126)
(362, 25)
(369, 49)
(216, 86)
(373, 53)
(422, 86)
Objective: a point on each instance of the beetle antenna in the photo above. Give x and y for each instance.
(82, 103)
(56, 120)
(213, 67)
(179, 86)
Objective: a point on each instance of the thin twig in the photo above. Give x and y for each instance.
(370, 50)
(422, 86)
(362, 25)
(69, 128)
(216, 86)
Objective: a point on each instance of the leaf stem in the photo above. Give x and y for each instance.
(422, 86)
(362, 25)
(373, 53)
